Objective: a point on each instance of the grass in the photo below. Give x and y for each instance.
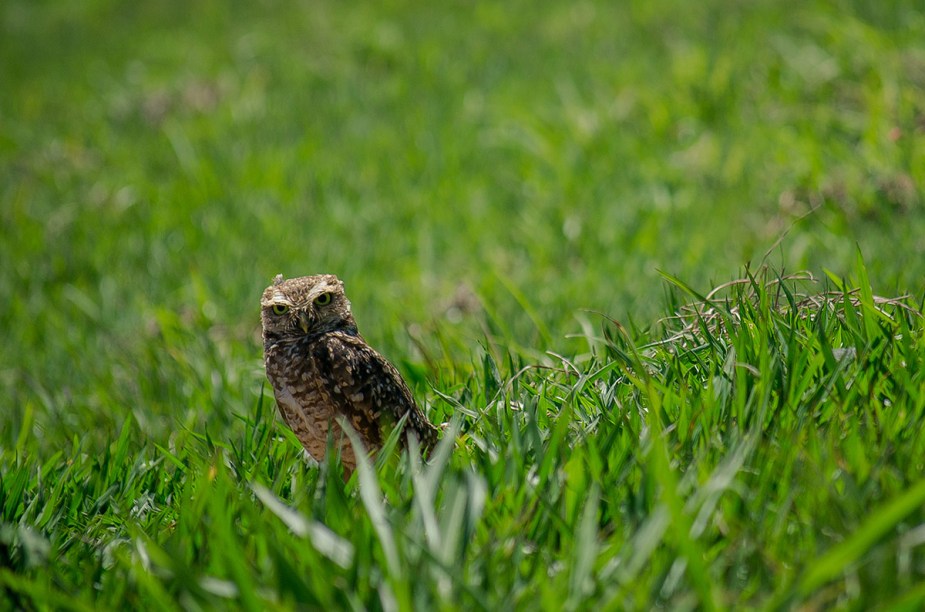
(530, 205)
(766, 453)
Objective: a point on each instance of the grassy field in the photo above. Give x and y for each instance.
(529, 203)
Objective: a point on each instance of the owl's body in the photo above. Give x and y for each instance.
(323, 371)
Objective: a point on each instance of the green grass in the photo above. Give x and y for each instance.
(521, 197)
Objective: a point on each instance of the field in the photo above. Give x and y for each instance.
(658, 264)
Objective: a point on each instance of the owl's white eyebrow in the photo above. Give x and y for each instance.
(321, 290)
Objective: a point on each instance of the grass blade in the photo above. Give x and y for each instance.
(833, 563)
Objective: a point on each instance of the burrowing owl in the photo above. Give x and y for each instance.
(321, 370)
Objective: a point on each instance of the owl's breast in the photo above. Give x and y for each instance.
(301, 398)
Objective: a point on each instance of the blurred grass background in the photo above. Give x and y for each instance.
(466, 168)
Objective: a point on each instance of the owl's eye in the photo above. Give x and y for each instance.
(323, 299)
(280, 309)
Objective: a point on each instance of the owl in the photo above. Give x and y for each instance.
(322, 370)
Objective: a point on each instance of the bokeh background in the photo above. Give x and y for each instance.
(476, 173)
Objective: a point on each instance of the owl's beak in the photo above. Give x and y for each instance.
(305, 321)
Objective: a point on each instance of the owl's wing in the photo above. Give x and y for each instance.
(364, 386)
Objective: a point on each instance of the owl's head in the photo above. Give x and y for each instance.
(297, 307)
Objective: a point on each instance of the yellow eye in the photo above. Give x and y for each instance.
(280, 309)
(323, 299)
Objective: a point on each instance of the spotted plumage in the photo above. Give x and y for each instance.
(322, 370)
